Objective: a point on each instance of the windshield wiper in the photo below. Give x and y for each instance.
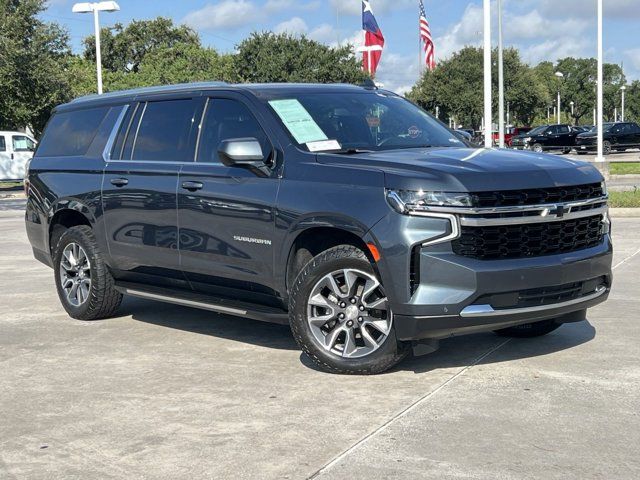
(351, 151)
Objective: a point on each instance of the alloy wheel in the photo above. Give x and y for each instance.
(348, 313)
(75, 274)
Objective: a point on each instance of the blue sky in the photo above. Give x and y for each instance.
(542, 29)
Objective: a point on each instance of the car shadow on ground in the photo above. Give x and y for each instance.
(453, 352)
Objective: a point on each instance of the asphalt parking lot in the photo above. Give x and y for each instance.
(169, 392)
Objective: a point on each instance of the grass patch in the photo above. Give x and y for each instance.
(624, 168)
(630, 199)
(10, 185)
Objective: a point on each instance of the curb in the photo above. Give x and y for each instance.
(624, 212)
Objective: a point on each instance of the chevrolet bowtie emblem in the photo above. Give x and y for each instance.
(559, 211)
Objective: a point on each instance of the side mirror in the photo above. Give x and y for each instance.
(243, 152)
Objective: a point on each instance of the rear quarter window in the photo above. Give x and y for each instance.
(3, 144)
(71, 133)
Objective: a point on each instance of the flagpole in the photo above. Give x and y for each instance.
(500, 79)
(420, 66)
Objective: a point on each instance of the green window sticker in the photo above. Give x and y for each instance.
(298, 121)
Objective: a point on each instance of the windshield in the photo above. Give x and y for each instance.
(537, 130)
(372, 121)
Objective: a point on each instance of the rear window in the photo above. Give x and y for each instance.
(71, 133)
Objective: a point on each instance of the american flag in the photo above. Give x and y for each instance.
(425, 36)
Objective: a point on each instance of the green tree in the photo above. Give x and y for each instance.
(33, 58)
(270, 57)
(456, 88)
(632, 102)
(125, 48)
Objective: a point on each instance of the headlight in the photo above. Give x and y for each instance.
(603, 185)
(407, 201)
(527, 139)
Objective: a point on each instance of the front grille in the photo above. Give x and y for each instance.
(529, 240)
(537, 196)
(536, 297)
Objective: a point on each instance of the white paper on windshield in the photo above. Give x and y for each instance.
(323, 145)
(298, 121)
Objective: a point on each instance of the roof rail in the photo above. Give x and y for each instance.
(154, 89)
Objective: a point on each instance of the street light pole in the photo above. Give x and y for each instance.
(94, 8)
(488, 114)
(600, 157)
(96, 27)
(622, 89)
(500, 79)
(560, 75)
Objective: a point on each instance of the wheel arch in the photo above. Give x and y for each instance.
(64, 215)
(311, 241)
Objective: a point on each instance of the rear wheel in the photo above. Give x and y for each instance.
(530, 330)
(340, 315)
(85, 285)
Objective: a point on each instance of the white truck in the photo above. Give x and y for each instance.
(16, 148)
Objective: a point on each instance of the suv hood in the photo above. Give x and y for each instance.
(467, 169)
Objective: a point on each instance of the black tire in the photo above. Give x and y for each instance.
(103, 299)
(388, 354)
(530, 330)
(580, 152)
(537, 148)
(606, 147)
(566, 151)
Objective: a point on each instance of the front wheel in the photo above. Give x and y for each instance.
(606, 147)
(537, 148)
(340, 315)
(530, 330)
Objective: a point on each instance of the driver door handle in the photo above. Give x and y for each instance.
(119, 182)
(192, 186)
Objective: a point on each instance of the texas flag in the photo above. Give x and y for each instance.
(373, 40)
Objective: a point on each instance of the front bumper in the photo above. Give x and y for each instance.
(453, 294)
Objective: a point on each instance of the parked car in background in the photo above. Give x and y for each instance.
(545, 138)
(582, 128)
(16, 148)
(463, 135)
(617, 137)
(509, 133)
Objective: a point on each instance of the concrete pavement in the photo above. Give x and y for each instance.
(169, 392)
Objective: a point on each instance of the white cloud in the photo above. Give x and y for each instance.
(619, 9)
(397, 72)
(280, 5)
(468, 31)
(294, 26)
(223, 15)
(354, 7)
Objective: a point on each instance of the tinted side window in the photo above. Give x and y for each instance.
(165, 132)
(71, 133)
(3, 145)
(226, 119)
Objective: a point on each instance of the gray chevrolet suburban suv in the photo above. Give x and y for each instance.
(345, 212)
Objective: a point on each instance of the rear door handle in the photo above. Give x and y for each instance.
(119, 182)
(192, 186)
